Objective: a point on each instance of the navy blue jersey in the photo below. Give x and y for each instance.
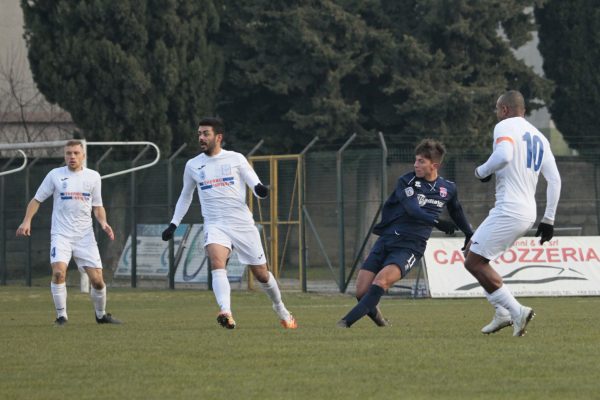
(413, 208)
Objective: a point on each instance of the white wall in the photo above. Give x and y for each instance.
(12, 44)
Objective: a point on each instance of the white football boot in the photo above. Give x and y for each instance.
(498, 322)
(520, 323)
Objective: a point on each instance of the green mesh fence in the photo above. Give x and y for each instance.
(578, 210)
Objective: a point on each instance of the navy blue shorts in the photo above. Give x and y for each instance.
(391, 250)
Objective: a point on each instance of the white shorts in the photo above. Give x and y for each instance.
(496, 234)
(245, 241)
(83, 250)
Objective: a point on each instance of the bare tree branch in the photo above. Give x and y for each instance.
(25, 115)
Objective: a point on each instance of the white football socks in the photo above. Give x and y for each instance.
(99, 300)
(222, 289)
(59, 295)
(272, 290)
(500, 311)
(503, 297)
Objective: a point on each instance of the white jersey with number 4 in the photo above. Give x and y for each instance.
(516, 182)
(221, 182)
(75, 193)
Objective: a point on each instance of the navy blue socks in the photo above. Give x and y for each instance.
(366, 305)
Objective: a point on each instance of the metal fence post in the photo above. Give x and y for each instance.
(2, 234)
(301, 216)
(2, 225)
(596, 183)
(170, 209)
(84, 280)
(255, 148)
(384, 155)
(134, 221)
(340, 204)
(28, 198)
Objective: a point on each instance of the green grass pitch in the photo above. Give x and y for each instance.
(170, 347)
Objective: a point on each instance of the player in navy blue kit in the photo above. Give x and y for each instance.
(407, 219)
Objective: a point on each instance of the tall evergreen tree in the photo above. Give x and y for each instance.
(570, 45)
(450, 62)
(286, 64)
(126, 70)
(410, 69)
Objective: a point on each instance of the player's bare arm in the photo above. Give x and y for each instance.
(100, 214)
(25, 228)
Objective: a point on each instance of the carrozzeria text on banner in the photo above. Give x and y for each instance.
(565, 266)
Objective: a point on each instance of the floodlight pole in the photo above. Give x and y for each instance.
(134, 220)
(170, 214)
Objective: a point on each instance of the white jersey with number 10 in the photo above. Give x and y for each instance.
(516, 182)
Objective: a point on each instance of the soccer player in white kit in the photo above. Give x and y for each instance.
(77, 193)
(520, 153)
(221, 177)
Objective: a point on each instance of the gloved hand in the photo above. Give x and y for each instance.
(486, 179)
(546, 231)
(168, 233)
(467, 238)
(445, 226)
(261, 190)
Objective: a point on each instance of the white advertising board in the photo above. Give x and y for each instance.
(153, 255)
(193, 265)
(565, 266)
(152, 252)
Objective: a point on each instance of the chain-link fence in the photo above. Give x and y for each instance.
(325, 204)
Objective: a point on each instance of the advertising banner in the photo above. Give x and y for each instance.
(193, 265)
(152, 252)
(565, 266)
(153, 255)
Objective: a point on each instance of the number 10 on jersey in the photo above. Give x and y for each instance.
(535, 151)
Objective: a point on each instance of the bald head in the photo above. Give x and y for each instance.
(510, 104)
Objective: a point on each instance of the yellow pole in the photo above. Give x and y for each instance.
(274, 220)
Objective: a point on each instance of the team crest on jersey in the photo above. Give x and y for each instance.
(409, 191)
(202, 174)
(443, 191)
(226, 169)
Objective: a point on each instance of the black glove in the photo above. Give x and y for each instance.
(261, 190)
(445, 226)
(168, 233)
(546, 230)
(467, 238)
(486, 179)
